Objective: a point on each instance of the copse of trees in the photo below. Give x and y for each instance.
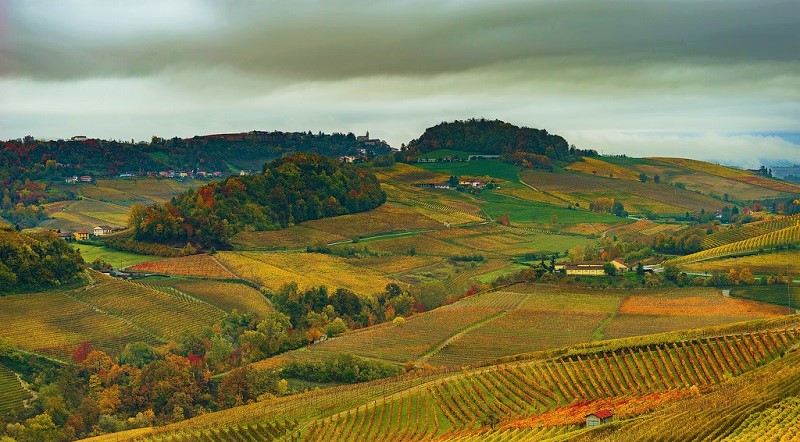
(290, 190)
(36, 260)
(494, 137)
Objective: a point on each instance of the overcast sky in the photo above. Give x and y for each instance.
(716, 80)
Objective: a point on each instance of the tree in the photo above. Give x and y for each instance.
(504, 220)
(656, 179)
(639, 269)
(491, 419)
(453, 181)
(643, 178)
(609, 269)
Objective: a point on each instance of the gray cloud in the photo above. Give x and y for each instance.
(595, 71)
(343, 39)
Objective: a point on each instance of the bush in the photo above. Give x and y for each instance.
(341, 367)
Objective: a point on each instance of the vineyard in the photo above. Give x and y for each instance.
(747, 231)
(228, 296)
(762, 263)
(54, 323)
(11, 392)
(274, 270)
(165, 315)
(734, 174)
(782, 237)
(543, 395)
(760, 406)
(461, 402)
(203, 266)
(594, 166)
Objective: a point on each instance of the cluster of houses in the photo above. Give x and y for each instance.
(85, 234)
(453, 159)
(476, 183)
(78, 179)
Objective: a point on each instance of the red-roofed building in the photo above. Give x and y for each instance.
(599, 417)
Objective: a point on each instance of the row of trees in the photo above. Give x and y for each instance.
(290, 190)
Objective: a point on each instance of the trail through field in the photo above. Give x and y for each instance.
(458, 336)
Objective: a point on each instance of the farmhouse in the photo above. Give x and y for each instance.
(619, 264)
(593, 268)
(71, 179)
(86, 179)
(81, 235)
(102, 230)
(599, 418)
(66, 236)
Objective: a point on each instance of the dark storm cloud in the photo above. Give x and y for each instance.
(343, 39)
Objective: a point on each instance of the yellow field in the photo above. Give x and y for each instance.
(769, 263)
(594, 166)
(406, 173)
(295, 237)
(274, 270)
(395, 264)
(225, 295)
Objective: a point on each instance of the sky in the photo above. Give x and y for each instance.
(708, 79)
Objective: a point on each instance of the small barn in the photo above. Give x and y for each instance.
(599, 418)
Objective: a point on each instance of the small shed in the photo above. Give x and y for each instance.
(599, 417)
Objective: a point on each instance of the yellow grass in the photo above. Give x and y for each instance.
(396, 263)
(274, 270)
(594, 166)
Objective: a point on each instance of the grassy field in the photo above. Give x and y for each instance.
(476, 168)
(118, 259)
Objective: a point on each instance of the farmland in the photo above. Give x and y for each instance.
(594, 166)
(55, 323)
(11, 392)
(751, 230)
(734, 174)
(762, 263)
(118, 259)
(274, 270)
(531, 317)
(776, 238)
(204, 266)
(544, 394)
(228, 296)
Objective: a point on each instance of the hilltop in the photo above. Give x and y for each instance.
(289, 191)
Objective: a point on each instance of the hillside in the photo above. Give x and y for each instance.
(546, 393)
(492, 138)
(35, 261)
(289, 190)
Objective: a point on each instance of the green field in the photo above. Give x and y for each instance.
(476, 168)
(528, 211)
(785, 295)
(118, 259)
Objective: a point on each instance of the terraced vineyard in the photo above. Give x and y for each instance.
(460, 403)
(734, 174)
(161, 314)
(203, 266)
(11, 392)
(747, 231)
(782, 237)
(761, 406)
(55, 323)
(225, 295)
(262, 432)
